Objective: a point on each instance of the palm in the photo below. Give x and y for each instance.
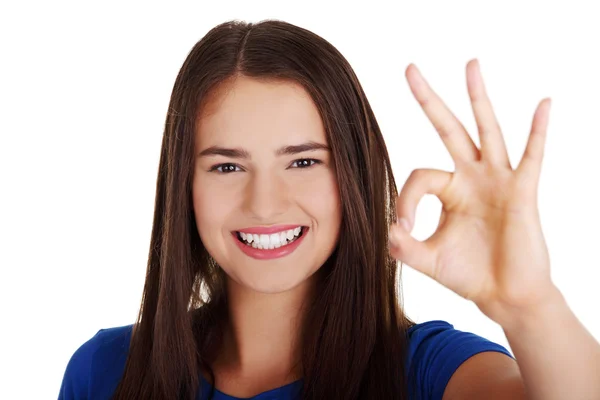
(489, 246)
(485, 225)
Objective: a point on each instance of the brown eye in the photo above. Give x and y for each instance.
(224, 168)
(305, 163)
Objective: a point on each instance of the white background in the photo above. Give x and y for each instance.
(84, 90)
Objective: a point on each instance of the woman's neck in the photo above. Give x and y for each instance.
(263, 333)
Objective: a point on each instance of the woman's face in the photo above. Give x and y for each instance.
(265, 195)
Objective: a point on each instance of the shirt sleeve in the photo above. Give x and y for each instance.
(76, 380)
(436, 351)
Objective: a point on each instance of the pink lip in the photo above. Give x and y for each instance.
(268, 229)
(261, 254)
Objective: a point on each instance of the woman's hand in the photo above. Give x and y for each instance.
(489, 246)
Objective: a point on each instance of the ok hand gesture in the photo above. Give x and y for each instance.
(489, 245)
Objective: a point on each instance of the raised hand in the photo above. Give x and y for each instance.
(489, 246)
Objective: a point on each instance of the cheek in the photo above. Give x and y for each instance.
(320, 198)
(211, 208)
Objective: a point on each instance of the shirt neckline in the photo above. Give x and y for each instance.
(268, 393)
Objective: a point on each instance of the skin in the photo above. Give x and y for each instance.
(489, 248)
(264, 189)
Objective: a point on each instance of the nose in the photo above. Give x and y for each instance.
(266, 197)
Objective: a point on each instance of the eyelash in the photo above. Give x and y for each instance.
(215, 168)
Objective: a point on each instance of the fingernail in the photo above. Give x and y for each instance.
(403, 222)
(393, 237)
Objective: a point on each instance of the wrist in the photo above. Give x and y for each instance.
(516, 315)
(546, 312)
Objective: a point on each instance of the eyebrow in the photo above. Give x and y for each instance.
(244, 154)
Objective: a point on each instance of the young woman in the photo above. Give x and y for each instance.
(272, 271)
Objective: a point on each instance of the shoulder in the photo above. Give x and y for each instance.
(435, 351)
(95, 368)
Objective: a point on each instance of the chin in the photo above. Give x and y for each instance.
(273, 283)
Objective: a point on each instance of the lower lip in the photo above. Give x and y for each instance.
(261, 254)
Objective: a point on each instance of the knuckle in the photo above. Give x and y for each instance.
(417, 173)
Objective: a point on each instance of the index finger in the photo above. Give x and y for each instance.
(451, 130)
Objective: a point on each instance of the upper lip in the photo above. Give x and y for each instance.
(268, 229)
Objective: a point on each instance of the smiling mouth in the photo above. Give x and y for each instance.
(271, 241)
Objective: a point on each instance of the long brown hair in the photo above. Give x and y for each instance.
(354, 342)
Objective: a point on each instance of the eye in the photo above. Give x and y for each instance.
(305, 163)
(224, 168)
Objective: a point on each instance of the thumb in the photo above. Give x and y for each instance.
(409, 250)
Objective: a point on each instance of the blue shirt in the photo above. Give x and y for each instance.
(435, 350)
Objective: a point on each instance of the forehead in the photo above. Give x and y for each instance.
(260, 110)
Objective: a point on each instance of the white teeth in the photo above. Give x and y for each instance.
(272, 241)
(264, 241)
